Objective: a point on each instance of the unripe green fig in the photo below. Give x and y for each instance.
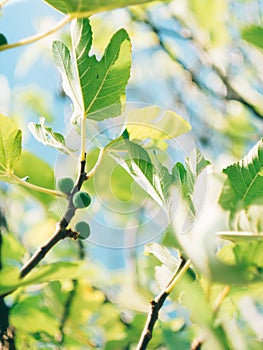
(81, 200)
(65, 184)
(83, 229)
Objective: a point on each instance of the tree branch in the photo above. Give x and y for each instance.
(232, 93)
(61, 231)
(36, 188)
(157, 304)
(39, 36)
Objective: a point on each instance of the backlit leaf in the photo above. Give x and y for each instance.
(97, 88)
(244, 184)
(38, 172)
(91, 7)
(185, 176)
(48, 137)
(137, 162)
(162, 254)
(153, 123)
(10, 146)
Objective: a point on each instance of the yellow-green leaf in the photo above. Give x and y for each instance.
(90, 7)
(10, 146)
(154, 123)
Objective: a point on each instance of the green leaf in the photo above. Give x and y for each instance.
(163, 273)
(249, 254)
(12, 250)
(181, 338)
(10, 280)
(153, 123)
(3, 39)
(137, 162)
(253, 35)
(10, 146)
(163, 255)
(25, 313)
(185, 176)
(90, 7)
(38, 172)
(48, 137)
(244, 184)
(97, 88)
(195, 299)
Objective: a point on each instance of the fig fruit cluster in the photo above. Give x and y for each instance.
(80, 200)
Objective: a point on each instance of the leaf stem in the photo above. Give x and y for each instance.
(94, 169)
(83, 137)
(38, 36)
(177, 276)
(220, 298)
(37, 188)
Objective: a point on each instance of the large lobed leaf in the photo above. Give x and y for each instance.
(244, 184)
(97, 88)
(10, 146)
(93, 6)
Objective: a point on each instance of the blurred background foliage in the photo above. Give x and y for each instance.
(202, 59)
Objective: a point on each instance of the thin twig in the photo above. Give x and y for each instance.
(83, 136)
(36, 188)
(39, 36)
(197, 344)
(220, 299)
(98, 162)
(232, 93)
(157, 304)
(61, 231)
